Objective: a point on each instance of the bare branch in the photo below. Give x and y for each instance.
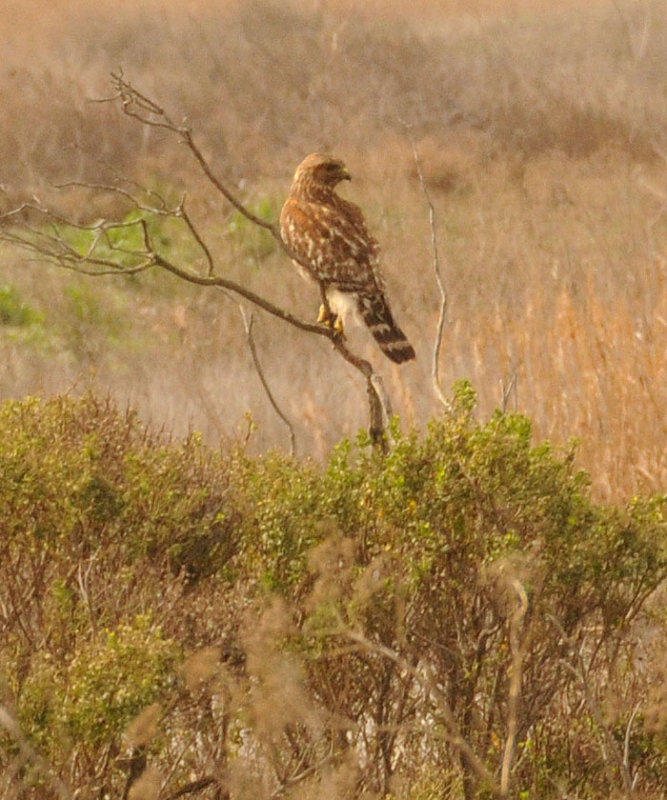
(160, 210)
(193, 786)
(56, 248)
(289, 782)
(196, 236)
(137, 105)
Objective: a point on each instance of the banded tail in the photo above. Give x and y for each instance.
(376, 314)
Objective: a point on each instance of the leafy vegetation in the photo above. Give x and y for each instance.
(273, 626)
(14, 310)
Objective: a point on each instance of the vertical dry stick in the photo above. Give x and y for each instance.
(435, 370)
(626, 745)
(506, 390)
(636, 52)
(516, 668)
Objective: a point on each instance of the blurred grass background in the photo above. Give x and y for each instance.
(542, 129)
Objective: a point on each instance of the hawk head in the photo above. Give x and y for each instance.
(318, 170)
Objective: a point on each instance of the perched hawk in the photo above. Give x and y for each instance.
(329, 238)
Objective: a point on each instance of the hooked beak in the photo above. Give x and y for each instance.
(346, 174)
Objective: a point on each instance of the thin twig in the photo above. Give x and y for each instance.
(131, 99)
(437, 270)
(288, 783)
(197, 237)
(192, 787)
(248, 321)
(506, 390)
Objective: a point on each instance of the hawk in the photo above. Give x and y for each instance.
(330, 243)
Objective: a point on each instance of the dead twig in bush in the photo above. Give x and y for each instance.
(610, 750)
(193, 787)
(428, 683)
(626, 743)
(517, 649)
(289, 782)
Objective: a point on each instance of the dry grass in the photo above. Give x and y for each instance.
(539, 126)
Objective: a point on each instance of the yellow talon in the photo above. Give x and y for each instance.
(331, 320)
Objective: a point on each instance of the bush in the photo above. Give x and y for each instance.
(460, 602)
(78, 476)
(93, 696)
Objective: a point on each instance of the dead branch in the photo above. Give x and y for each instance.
(42, 232)
(142, 108)
(193, 787)
(148, 112)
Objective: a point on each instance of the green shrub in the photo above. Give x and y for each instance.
(92, 696)
(77, 475)
(449, 532)
(363, 615)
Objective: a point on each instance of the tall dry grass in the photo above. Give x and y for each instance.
(540, 128)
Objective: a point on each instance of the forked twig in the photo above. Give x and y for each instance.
(148, 112)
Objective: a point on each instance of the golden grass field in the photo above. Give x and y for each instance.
(542, 131)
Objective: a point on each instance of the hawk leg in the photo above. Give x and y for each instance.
(328, 317)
